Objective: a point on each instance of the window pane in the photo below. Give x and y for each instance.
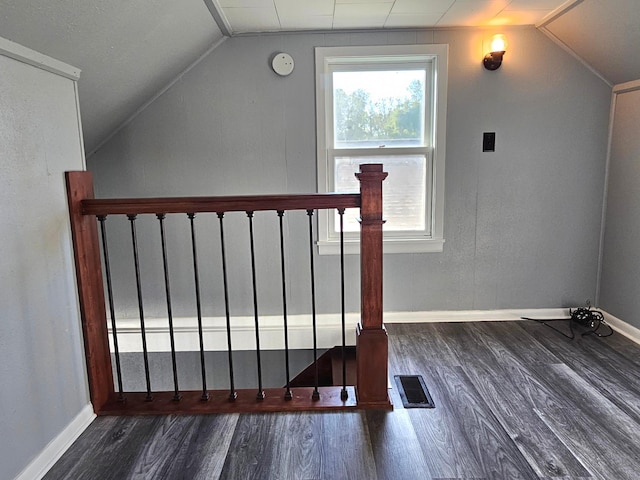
(379, 107)
(404, 191)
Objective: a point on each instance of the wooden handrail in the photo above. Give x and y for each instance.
(372, 349)
(246, 203)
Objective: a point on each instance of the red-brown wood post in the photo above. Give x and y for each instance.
(84, 233)
(372, 348)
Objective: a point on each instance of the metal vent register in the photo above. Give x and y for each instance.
(413, 391)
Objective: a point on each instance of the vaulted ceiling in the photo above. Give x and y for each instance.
(129, 51)
(605, 33)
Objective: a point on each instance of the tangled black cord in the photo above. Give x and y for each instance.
(583, 316)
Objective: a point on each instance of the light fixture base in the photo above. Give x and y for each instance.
(493, 60)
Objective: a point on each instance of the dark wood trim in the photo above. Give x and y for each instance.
(84, 233)
(254, 203)
(191, 402)
(372, 342)
(371, 178)
(372, 353)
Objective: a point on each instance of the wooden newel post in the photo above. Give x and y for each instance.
(371, 337)
(84, 233)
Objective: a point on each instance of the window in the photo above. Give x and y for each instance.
(384, 105)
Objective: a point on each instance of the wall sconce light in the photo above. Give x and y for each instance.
(493, 59)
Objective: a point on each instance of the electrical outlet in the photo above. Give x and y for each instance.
(489, 142)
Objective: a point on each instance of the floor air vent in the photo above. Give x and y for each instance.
(413, 391)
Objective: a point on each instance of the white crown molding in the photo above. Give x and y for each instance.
(605, 196)
(31, 57)
(219, 17)
(558, 12)
(618, 89)
(79, 118)
(627, 87)
(56, 447)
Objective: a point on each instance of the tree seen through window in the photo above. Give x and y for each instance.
(378, 106)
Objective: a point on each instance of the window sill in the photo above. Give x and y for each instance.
(392, 245)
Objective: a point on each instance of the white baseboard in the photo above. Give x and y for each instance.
(622, 327)
(56, 447)
(329, 330)
(214, 330)
(474, 315)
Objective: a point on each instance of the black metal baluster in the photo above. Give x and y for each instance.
(205, 393)
(343, 393)
(287, 395)
(167, 288)
(145, 356)
(112, 311)
(260, 394)
(232, 391)
(316, 393)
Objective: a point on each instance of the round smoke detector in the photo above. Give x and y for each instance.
(282, 64)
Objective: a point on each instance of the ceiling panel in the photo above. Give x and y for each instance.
(405, 20)
(523, 5)
(420, 6)
(368, 14)
(362, 10)
(361, 15)
(472, 12)
(363, 1)
(246, 3)
(249, 19)
(312, 22)
(517, 17)
(303, 8)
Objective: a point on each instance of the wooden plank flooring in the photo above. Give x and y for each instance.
(513, 400)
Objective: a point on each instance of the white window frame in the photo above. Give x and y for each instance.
(329, 59)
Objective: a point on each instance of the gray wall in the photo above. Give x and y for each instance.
(522, 224)
(620, 280)
(42, 376)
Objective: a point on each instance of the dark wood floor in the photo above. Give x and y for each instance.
(513, 400)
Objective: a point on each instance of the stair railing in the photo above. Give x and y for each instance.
(371, 339)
